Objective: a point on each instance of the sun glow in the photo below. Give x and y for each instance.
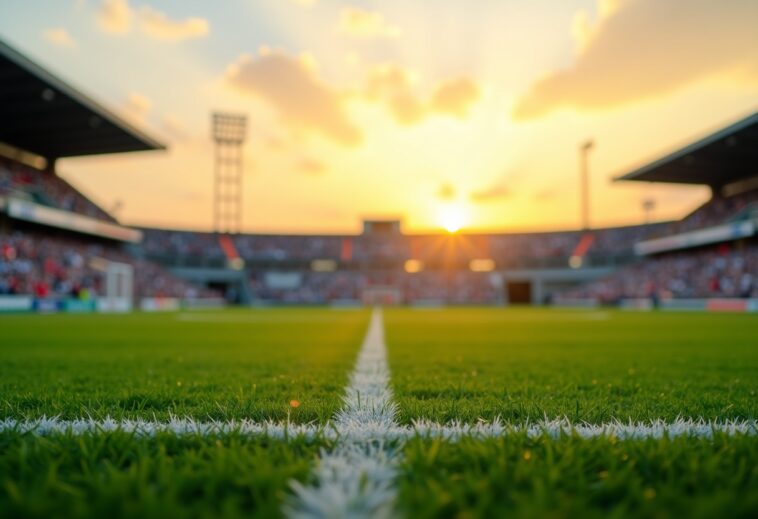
(452, 218)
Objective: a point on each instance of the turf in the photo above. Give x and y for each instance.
(525, 364)
(452, 364)
(118, 475)
(205, 365)
(572, 477)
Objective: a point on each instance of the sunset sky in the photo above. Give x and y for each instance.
(426, 110)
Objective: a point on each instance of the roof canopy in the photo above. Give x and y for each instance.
(44, 115)
(726, 156)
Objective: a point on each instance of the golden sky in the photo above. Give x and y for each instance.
(432, 110)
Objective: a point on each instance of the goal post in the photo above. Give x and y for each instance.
(118, 286)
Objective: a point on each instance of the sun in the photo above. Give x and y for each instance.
(452, 218)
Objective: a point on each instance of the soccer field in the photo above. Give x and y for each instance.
(473, 412)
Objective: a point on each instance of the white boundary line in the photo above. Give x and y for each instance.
(423, 429)
(356, 478)
(453, 431)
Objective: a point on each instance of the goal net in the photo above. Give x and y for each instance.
(118, 287)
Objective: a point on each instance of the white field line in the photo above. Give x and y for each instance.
(420, 429)
(356, 478)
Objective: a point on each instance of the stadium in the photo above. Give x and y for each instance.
(151, 371)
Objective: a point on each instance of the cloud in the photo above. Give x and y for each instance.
(311, 166)
(366, 24)
(158, 25)
(494, 192)
(454, 97)
(393, 86)
(640, 49)
(446, 192)
(138, 106)
(59, 37)
(296, 92)
(115, 16)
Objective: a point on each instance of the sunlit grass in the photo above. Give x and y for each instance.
(518, 476)
(525, 364)
(118, 475)
(217, 365)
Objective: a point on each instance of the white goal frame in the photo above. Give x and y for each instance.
(118, 295)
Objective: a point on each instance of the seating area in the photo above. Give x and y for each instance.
(512, 250)
(717, 210)
(459, 287)
(721, 271)
(57, 264)
(48, 265)
(46, 188)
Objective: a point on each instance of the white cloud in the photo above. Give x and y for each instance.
(393, 86)
(156, 24)
(138, 106)
(639, 49)
(366, 24)
(118, 17)
(59, 37)
(115, 16)
(291, 86)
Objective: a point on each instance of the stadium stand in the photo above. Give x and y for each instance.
(52, 237)
(713, 251)
(47, 264)
(54, 240)
(45, 188)
(720, 271)
(328, 268)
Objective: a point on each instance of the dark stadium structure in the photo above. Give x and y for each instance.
(44, 115)
(53, 238)
(54, 241)
(712, 252)
(723, 157)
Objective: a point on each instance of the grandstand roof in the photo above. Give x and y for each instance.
(42, 114)
(725, 156)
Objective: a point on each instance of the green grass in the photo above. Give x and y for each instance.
(572, 477)
(525, 364)
(462, 364)
(218, 365)
(118, 475)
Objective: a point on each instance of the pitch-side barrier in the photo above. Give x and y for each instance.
(42, 305)
(743, 305)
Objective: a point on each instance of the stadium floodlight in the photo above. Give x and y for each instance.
(648, 205)
(413, 266)
(482, 265)
(229, 128)
(584, 150)
(229, 135)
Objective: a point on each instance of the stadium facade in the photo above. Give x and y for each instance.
(60, 250)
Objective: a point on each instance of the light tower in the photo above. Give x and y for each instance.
(229, 136)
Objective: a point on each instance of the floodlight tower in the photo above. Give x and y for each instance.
(229, 136)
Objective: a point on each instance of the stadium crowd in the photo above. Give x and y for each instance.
(714, 272)
(56, 264)
(457, 287)
(514, 250)
(719, 209)
(45, 188)
(45, 265)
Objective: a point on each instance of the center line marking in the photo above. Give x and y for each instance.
(356, 478)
